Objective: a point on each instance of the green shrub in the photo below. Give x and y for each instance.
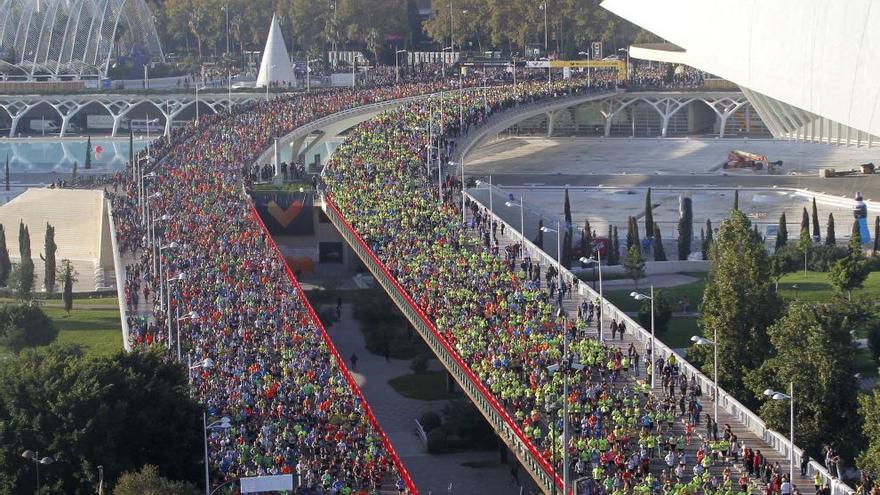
(662, 313)
(25, 325)
(430, 420)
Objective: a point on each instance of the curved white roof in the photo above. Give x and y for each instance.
(816, 55)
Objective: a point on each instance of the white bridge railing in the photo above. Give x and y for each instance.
(728, 403)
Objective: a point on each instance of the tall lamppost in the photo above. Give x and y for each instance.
(546, 44)
(558, 257)
(34, 456)
(397, 66)
(180, 277)
(598, 262)
(567, 365)
(714, 343)
(638, 296)
(463, 210)
(790, 398)
(522, 223)
(204, 364)
(221, 424)
(171, 245)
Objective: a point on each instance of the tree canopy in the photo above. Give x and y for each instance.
(121, 412)
(739, 302)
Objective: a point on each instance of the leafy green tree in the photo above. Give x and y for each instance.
(781, 232)
(816, 234)
(849, 273)
(649, 216)
(88, 162)
(49, 259)
(25, 325)
(5, 263)
(659, 252)
(121, 412)
(707, 241)
(739, 302)
(869, 410)
(147, 481)
(812, 350)
(685, 228)
(662, 312)
(634, 266)
(830, 240)
(67, 294)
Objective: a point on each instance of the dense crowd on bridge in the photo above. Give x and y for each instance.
(271, 370)
(492, 306)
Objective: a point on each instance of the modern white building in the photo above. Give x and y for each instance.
(811, 68)
(275, 67)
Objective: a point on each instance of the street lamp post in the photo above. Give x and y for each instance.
(206, 363)
(714, 343)
(220, 424)
(558, 257)
(34, 456)
(546, 45)
(638, 296)
(790, 398)
(180, 277)
(463, 211)
(566, 366)
(522, 223)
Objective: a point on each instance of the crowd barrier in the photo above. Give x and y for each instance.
(494, 412)
(340, 362)
(119, 270)
(728, 403)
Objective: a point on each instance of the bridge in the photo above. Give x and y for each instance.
(166, 108)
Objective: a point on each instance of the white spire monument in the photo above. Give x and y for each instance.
(275, 66)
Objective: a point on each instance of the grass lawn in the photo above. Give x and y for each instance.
(815, 287)
(97, 331)
(423, 386)
(680, 331)
(693, 290)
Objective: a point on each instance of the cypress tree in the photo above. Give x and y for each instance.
(685, 228)
(73, 175)
(707, 242)
(5, 264)
(610, 246)
(567, 240)
(649, 216)
(876, 233)
(781, 232)
(829, 231)
(855, 238)
(629, 232)
(67, 295)
(816, 234)
(49, 259)
(616, 247)
(7, 171)
(659, 252)
(805, 239)
(736, 199)
(88, 163)
(587, 240)
(26, 266)
(539, 239)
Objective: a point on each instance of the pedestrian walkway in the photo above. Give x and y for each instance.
(397, 414)
(744, 435)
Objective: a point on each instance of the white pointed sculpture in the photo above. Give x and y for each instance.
(275, 66)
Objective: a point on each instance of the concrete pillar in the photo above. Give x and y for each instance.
(608, 125)
(664, 124)
(748, 119)
(550, 116)
(14, 126)
(117, 119)
(64, 121)
(277, 160)
(723, 125)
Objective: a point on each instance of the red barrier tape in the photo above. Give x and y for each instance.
(404, 474)
(495, 405)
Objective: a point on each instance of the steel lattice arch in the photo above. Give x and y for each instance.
(74, 37)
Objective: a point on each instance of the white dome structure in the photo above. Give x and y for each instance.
(74, 37)
(275, 68)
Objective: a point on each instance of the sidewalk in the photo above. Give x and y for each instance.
(431, 473)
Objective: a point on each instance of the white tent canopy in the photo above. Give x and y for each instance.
(275, 68)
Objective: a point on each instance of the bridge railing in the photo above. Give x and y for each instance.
(119, 271)
(727, 402)
(340, 362)
(492, 410)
